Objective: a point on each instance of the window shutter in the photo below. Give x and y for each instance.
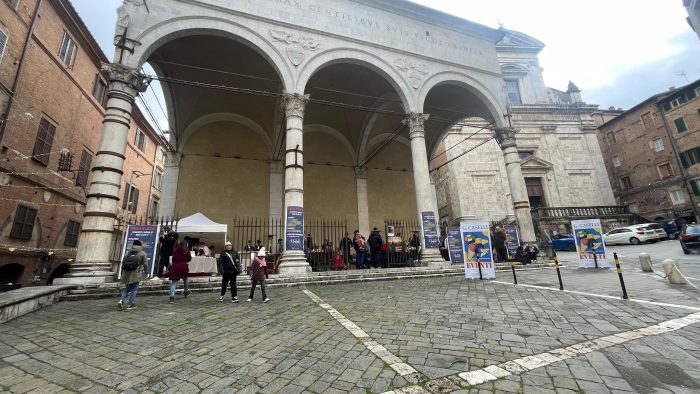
(84, 168)
(125, 201)
(695, 186)
(136, 199)
(684, 160)
(3, 44)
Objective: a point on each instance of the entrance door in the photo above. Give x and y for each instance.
(535, 192)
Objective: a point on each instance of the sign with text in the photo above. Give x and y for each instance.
(477, 247)
(295, 229)
(588, 235)
(512, 239)
(454, 245)
(430, 230)
(148, 235)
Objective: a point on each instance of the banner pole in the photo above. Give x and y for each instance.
(478, 262)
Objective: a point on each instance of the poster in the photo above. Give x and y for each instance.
(512, 239)
(454, 245)
(294, 229)
(430, 230)
(148, 235)
(476, 244)
(588, 235)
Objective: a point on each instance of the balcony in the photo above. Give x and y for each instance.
(576, 213)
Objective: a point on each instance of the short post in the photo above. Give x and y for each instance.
(622, 281)
(512, 267)
(556, 265)
(673, 274)
(595, 259)
(478, 262)
(645, 262)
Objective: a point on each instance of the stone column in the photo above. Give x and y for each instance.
(294, 261)
(362, 204)
(425, 191)
(518, 190)
(171, 177)
(92, 266)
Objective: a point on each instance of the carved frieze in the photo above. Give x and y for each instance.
(414, 72)
(297, 46)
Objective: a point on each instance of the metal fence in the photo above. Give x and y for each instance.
(399, 251)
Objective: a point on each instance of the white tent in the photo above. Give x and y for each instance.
(199, 223)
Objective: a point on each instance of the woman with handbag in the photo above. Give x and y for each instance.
(179, 270)
(230, 268)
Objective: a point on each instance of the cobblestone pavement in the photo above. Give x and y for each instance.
(361, 337)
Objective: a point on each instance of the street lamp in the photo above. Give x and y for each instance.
(137, 174)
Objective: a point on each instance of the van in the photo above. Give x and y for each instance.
(670, 227)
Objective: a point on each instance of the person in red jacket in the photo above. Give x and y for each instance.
(258, 274)
(179, 269)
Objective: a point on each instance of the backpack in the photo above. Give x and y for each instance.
(131, 262)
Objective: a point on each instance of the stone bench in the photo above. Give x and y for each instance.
(19, 302)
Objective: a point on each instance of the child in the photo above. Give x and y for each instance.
(338, 260)
(258, 274)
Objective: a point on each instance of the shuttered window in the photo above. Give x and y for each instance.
(72, 233)
(44, 141)
(3, 44)
(133, 202)
(695, 186)
(67, 51)
(84, 168)
(23, 224)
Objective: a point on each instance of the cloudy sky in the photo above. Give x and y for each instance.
(618, 52)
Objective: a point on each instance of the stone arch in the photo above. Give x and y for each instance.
(361, 58)
(377, 139)
(223, 117)
(319, 128)
(367, 128)
(157, 35)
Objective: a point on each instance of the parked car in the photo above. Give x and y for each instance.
(634, 235)
(690, 238)
(670, 227)
(658, 229)
(564, 242)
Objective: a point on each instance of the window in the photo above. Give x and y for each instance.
(647, 120)
(677, 197)
(616, 161)
(680, 125)
(72, 233)
(697, 92)
(675, 103)
(3, 44)
(626, 183)
(84, 168)
(524, 154)
(695, 186)
(131, 200)
(612, 138)
(157, 179)
(24, 223)
(513, 91)
(690, 157)
(140, 140)
(153, 210)
(160, 155)
(658, 144)
(67, 51)
(100, 90)
(44, 140)
(665, 170)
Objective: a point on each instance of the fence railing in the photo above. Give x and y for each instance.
(579, 212)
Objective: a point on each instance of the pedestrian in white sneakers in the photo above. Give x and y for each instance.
(258, 274)
(134, 265)
(229, 265)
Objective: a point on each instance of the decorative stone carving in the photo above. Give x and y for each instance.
(129, 77)
(505, 137)
(416, 124)
(415, 72)
(294, 104)
(297, 46)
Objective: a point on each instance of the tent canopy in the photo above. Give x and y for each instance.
(199, 223)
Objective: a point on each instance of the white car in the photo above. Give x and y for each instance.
(634, 235)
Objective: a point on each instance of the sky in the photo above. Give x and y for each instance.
(618, 52)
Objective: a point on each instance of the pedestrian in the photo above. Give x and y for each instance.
(230, 268)
(168, 238)
(258, 274)
(345, 246)
(258, 245)
(248, 246)
(413, 249)
(179, 270)
(499, 242)
(531, 252)
(360, 248)
(135, 264)
(375, 242)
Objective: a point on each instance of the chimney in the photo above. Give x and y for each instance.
(575, 93)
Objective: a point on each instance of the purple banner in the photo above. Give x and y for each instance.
(512, 239)
(430, 230)
(454, 245)
(295, 228)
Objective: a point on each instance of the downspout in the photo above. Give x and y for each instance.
(20, 66)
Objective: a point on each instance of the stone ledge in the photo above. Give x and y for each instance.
(19, 302)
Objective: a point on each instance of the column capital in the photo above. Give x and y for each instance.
(361, 172)
(127, 79)
(172, 159)
(416, 124)
(294, 103)
(505, 136)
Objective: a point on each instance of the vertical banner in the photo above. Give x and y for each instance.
(430, 230)
(454, 245)
(148, 235)
(295, 229)
(512, 239)
(476, 244)
(588, 235)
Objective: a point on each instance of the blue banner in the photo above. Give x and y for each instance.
(430, 230)
(454, 245)
(295, 228)
(148, 235)
(512, 239)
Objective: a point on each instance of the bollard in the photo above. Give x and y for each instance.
(645, 262)
(672, 273)
(595, 259)
(556, 265)
(512, 267)
(622, 281)
(478, 262)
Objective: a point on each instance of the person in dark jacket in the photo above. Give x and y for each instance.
(413, 249)
(499, 242)
(168, 238)
(130, 279)
(345, 245)
(229, 263)
(258, 274)
(375, 242)
(179, 270)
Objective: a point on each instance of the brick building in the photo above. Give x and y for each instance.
(52, 97)
(651, 152)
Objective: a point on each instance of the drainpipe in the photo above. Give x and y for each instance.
(20, 66)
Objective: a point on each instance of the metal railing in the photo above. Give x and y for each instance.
(579, 212)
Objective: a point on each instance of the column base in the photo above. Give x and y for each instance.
(294, 264)
(432, 258)
(87, 274)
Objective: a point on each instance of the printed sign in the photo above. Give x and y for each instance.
(148, 235)
(430, 230)
(295, 228)
(588, 235)
(512, 239)
(454, 245)
(477, 247)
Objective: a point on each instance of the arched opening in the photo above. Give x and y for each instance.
(58, 272)
(10, 276)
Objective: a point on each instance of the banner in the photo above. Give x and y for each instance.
(430, 230)
(476, 244)
(148, 235)
(295, 228)
(512, 239)
(588, 235)
(454, 245)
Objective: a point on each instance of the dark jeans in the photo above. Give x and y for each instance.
(502, 253)
(225, 281)
(376, 258)
(164, 263)
(262, 287)
(360, 259)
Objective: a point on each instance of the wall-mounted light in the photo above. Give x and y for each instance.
(11, 249)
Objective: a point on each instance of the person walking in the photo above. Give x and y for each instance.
(360, 248)
(230, 268)
(375, 242)
(179, 270)
(345, 245)
(499, 242)
(413, 249)
(168, 238)
(258, 274)
(135, 264)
